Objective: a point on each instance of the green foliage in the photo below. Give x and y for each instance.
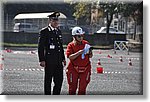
(126, 9)
(82, 12)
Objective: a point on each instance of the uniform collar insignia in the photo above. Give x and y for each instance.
(52, 28)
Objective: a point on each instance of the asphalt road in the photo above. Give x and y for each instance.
(22, 75)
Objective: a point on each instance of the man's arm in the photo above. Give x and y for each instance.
(41, 46)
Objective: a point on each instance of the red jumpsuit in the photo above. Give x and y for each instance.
(74, 76)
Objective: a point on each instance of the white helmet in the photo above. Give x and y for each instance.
(77, 31)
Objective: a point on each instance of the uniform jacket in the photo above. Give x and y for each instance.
(50, 46)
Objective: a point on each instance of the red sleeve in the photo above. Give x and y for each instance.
(69, 50)
(85, 42)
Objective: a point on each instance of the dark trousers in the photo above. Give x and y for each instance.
(55, 72)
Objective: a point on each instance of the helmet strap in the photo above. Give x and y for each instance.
(76, 40)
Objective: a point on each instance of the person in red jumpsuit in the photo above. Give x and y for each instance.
(79, 68)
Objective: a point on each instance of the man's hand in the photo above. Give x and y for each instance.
(64, 62)
(42, 64)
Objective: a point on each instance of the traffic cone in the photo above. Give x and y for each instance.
(130, 63)
(32, 52)
(100, 52)
(2, 58)
(114, 51)
(99, 68)
(109, 56)
(120, 59)
(1, 66)
(98, 62)
(8, 50)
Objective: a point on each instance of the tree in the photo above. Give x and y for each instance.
(137, 16)
(109, 9)
(82, 13)
(133, 11)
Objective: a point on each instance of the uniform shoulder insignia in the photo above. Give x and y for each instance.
(44, 28)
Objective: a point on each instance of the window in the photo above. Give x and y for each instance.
(24, 26)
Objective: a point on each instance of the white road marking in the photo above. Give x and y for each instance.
(38, 69)
(33, 69)
(42, 69)
(30, 69)
(94, 72)
(26, 69)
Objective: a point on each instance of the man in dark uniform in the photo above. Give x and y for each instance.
(51, 55)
